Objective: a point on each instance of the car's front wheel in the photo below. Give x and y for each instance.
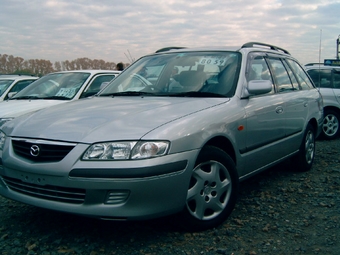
(213, 189)
(330, 126)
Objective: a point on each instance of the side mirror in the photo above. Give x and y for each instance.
(258, 87)
(11, 94)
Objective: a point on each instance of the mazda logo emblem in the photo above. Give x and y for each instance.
(35, 150)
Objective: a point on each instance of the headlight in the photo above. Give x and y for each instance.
(2, 140)
(4, 120)
(126, 150)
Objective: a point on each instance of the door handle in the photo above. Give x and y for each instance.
(279, 109)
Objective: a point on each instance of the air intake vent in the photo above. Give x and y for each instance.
(48, 192)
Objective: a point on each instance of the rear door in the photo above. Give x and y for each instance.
(295, 97)
(305, 105)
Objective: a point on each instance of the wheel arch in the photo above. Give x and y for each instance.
(315, 126)
(332, 108)
(224, 144)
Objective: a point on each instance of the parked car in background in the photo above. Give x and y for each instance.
(327, 79)
(178, 140)
(53, 89)
(12, 84)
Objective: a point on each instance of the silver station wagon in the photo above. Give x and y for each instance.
(174, 133)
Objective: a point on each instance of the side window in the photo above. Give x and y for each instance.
(19, 86)
(336, 81)
(281, 76)
(258, 70)
(321, 78)
(96, 84)
(292, 77)
(301, 76)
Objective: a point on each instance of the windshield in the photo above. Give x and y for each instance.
(4, 84)
(179, 74)
(54, 86)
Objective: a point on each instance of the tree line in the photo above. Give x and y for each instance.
(39, 67)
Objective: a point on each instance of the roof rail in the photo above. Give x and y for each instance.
(169, 48)
(15, 74)
(272, 47)
(314, 64)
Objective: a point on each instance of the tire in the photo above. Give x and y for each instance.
(330, 126)
(304, 159)
(212, 192)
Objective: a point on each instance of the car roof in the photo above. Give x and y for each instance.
(14, 75)
(90, 71)
(18, 78)
(247, 47)
(320, 66)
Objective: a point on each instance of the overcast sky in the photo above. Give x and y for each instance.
(59, 30)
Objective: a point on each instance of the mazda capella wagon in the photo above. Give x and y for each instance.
(174, 133)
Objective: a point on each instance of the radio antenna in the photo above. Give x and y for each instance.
(320, 46)
(320, 59)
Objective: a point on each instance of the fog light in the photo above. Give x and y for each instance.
(116, 196)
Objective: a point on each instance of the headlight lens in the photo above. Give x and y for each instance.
(2, 140)
(4, 120)
(126, 150)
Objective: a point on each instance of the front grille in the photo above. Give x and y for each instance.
(48, 192)
(41, 152)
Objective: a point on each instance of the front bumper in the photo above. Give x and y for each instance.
(121, 190)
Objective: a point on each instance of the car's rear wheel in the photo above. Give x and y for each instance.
(305, 158)
(213, 189)
(330, 127)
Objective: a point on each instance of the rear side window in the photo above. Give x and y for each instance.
(281, 76)
(292, 77)
(301, 75)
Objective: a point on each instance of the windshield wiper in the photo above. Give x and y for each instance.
(56, 98)
(196, 94)
(128, 93)
(25, 97)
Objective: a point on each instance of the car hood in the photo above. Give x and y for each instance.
(103, 119)
(14, 108)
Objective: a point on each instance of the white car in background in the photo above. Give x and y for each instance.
(327, 79)
(55, 88)
(11, 84)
